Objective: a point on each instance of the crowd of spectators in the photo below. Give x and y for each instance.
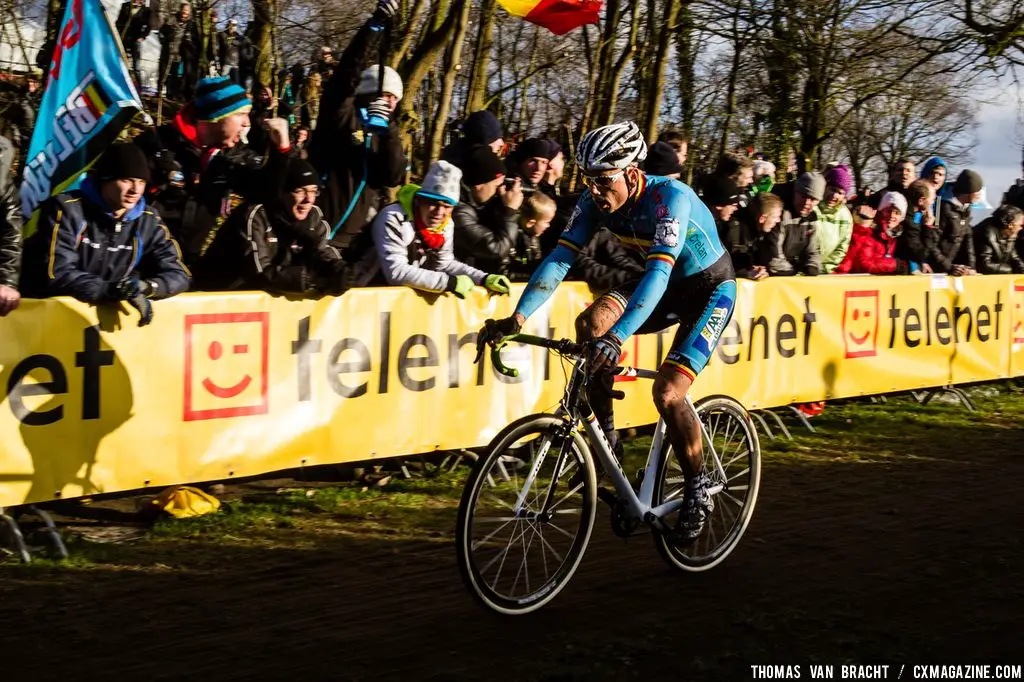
(236, 193)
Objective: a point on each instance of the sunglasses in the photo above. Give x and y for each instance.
(602, 181)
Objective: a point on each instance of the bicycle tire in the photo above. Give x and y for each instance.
(688, 558)
(470, 569)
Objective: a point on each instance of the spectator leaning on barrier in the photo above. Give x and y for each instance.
(995, 242)
(413, 238)
(278, 246)
(835, 222)
(202, 168)
(356, 145)
(919, 241)
(873, 248)
(663, 160)
(487, 217)
(102, 243)
(793, 246)
(535, 218)
(10, 248)
(747, 238)
(955, 253)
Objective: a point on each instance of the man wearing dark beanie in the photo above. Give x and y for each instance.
(530, 162)
(663, 160)
(479, 128)
(955, 254)
(280, 245)
(487, 217)
(102, 243)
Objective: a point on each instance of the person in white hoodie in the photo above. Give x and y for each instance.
(413, 239)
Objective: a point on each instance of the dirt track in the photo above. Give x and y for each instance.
(917, 562)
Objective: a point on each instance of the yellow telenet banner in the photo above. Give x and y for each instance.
(228, 385)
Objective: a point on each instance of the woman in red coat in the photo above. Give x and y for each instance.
(872, 247)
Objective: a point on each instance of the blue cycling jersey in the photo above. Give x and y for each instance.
(666, 223)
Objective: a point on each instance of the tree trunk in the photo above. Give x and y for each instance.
(658, 86)
(408, 30)
(730, 91)
(481, 58)
(263, 13)
(419, 65)
(452, 65)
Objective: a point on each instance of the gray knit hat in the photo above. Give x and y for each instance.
(442, 183)
(811, 185)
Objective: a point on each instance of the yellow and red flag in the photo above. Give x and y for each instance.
(557, 16)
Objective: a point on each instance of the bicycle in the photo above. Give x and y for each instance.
(553, 507)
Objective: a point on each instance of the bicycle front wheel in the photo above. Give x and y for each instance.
(732, 459)
(526, 514)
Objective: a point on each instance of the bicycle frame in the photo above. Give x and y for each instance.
(637, 506)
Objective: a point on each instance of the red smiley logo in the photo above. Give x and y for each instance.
(860, 323)
(226, 358)
(1018, 313)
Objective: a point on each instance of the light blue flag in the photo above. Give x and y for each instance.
(88, 101)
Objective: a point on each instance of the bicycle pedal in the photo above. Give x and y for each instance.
(607, 496)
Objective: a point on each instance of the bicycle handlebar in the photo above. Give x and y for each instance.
(563, 346)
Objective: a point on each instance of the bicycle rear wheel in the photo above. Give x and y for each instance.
(732, 458)
(526, 515)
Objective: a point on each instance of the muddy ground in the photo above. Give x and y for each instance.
(879, 540)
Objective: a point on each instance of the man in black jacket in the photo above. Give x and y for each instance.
(279, 246)
(487, 217)
(201, 168)
(955, 254)
(133, 25)
(995, 242)
(356, 146)
(10, 248)
(102, 243)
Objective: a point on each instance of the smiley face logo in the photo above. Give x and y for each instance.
(1018, 312)
(860, 323)
(226, 365)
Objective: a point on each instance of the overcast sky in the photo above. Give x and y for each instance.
(998, 154)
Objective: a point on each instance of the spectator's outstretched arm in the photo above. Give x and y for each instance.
(392, 241)
(10, 237)
(443, 259)
(812, 256)
(967, 252)
(482, 241)
(777, 263)
(64, 277)
(162, 264)
(360, 53)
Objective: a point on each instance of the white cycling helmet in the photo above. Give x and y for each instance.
(611, 147)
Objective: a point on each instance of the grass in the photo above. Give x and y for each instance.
(423, 509)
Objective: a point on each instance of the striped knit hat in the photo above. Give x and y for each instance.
(217, 98)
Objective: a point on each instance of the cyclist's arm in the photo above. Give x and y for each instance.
(555, 267)
(669, 243)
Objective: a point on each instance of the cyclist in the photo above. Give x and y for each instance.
(688, 279)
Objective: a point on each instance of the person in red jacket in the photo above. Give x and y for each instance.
(872, 249)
